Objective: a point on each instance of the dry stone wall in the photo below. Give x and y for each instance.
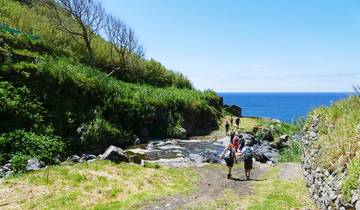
(324, 187)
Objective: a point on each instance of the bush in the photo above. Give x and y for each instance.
(291, 153)
(20, 109)
(19, 162)
(20, 142)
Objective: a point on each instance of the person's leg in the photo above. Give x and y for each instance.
(229, 172)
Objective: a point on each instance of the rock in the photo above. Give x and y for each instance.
(357, 205)
(74, 158)
(33, 165)
(196, 158)
(114, 154)
(7, 167)
(234, 110)
(267, 135)
(135, 159)
(265, 152)
(139, 152)
(136, 140)
(86, 157)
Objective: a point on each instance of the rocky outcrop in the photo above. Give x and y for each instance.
(234, 110)
(114, 154)
(324, 186)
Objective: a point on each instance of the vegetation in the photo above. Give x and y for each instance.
(37, 19)
(275, 193)
(291, 153)
(97, 185)
(54, 103)
(338, 140)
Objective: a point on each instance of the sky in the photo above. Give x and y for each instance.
(251, 45)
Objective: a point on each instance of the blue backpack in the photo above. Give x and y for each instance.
(248, 153)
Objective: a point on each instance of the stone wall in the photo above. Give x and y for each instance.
(324, 187)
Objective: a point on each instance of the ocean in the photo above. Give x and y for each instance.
(282, 106)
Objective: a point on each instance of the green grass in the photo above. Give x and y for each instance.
(273, 193)
(97, 185)
(338, 140)
(35, 22)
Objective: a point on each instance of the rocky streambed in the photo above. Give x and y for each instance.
(196, 153)
(170, 153)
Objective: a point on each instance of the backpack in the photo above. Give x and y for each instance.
(229, 154)
(248, 153)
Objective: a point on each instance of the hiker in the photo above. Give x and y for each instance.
(241, 142)
(232, 134)
(227, 127)
(237, 122)
(248, 153)
(229, 156)
(236, 141)
(231, 121)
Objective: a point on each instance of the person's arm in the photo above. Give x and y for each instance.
(222, 154)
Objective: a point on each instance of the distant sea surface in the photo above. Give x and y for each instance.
(282, 106)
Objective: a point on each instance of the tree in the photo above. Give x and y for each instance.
(89, 16)
(123, 41)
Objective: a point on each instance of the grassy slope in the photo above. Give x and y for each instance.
(35, 20)
(97, 185)
(339, 140)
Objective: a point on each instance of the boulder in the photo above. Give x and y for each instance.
(74, 158)
(281, 142)
(87, 157)
(114, 154)
(139, 152)
(234, 110)
(265, 152)
(267, 135)
(33, 165)
(135, 159)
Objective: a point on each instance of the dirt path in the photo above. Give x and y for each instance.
(290, 171)
(212, 185)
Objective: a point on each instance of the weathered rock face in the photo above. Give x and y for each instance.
(114, 154)
(234, 110)
(324, 187)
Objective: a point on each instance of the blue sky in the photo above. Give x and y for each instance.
(251, 45)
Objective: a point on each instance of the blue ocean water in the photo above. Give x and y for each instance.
(282, 106)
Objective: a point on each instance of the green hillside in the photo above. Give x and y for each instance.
(52, 102)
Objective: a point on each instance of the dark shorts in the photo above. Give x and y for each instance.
(248, 164)
(229, 163)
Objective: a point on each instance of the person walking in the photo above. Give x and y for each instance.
(235, 142)
(248, 153)
(237, 122)
(227, 127)
(229, 156)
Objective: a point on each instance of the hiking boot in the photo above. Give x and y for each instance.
(247, 177)
(229, 176)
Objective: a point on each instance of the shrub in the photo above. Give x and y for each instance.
(291, 153)
(20, 109)
(19, 162)
(30, 144)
